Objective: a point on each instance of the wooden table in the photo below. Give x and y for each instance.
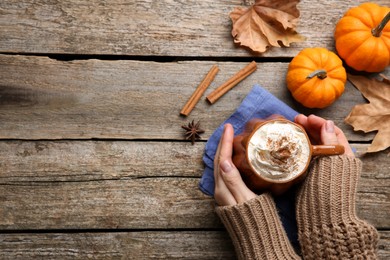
(92, 158)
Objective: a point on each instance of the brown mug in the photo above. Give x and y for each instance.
(274, 154)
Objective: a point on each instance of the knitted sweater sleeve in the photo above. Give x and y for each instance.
(327, 223)
(256, 230)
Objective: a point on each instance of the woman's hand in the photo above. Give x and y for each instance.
(323, 131)
(230, 189)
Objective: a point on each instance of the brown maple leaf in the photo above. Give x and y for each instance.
(374, 116)
(266, 23)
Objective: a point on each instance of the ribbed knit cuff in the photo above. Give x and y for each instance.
(256, 230)
(327, 222)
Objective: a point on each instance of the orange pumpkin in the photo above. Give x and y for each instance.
(316, 77)
(362, 37)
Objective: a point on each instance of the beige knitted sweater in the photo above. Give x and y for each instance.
(327, 223)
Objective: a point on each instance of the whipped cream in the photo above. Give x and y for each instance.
(279, 150)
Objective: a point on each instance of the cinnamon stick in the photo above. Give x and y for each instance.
(195, 97)
(232, 82)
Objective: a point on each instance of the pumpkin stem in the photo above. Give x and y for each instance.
(321, 74)
(377, 31)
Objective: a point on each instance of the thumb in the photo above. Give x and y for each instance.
(328, 134)
(233, 181)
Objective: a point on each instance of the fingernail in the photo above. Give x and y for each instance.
(329, 126)
(224, 130)
(298, 116)
(226, 166)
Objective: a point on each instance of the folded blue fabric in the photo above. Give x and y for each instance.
(259, 103)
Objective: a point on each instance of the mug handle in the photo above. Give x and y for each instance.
(327, 149)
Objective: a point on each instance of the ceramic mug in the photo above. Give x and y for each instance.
(274, 154)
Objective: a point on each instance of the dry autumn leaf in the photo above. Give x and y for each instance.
(374, 116)
(266, 23)
(385, 79)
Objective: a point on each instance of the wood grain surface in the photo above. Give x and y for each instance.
(50, 99)
(93, 163)
(98, 185)
(149, 28)
(134, 245)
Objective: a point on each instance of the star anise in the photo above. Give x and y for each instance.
(193, 131)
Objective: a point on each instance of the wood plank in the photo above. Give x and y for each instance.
(118, 245)
(139, 203)
(134, 245)
(45, 161)
(62, 161)
(41, 98)
(61, 191)
(143, 27)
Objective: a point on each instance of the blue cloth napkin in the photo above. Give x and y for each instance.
(259, 103)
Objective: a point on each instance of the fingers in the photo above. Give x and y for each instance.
(227, 142)
(230, 174)
(301, 119)
(328, 135)
(234, 182)
(222, 194)
(310, 125)
(323, 131)
(230, 189)
(315, 124)
(314, 127)
(344, 141)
